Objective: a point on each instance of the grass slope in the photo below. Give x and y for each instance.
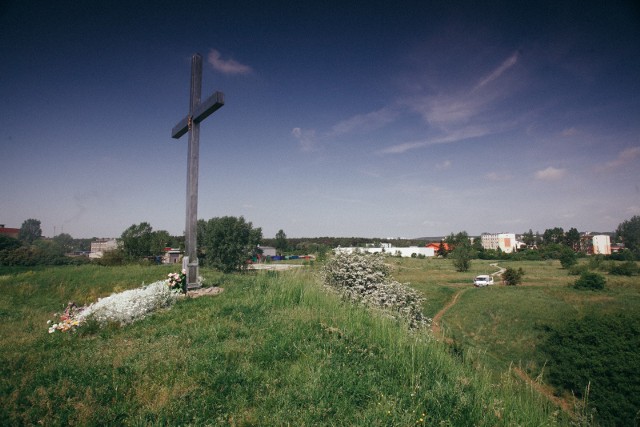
(273, 349)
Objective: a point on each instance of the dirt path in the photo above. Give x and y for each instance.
(500, 269)
(435, 323)
(546, 391)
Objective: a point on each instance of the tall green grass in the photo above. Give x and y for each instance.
(272, 349)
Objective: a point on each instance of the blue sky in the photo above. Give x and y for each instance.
(394, 119)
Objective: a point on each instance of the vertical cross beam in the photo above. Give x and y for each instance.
(197, 112)
(193, 157)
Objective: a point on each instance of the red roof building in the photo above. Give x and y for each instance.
(436, 246)
(9, 232)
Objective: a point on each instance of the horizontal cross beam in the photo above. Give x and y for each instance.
(202, 111)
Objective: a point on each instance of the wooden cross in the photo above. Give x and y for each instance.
(191, 123)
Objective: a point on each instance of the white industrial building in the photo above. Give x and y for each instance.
(100, 246)
(390, 250)
(506, 242)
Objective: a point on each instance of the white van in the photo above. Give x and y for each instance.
(483, 280)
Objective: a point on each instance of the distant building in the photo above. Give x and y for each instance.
(171, 256)
(601, 244)
(100, 246)
(436, 246)
(598, 244)
(9, 232)
(391, 250)
(506, 242)
(267, 251)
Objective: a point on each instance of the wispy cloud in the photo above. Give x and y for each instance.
(550, 174)
(227, 66)
(569, 132)
(625, 157)
(462, 114)
(306, 138)
(454, 136)
(365, 122)
(508, 63)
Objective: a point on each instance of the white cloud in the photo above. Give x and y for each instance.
(454, 136)
(463, 114)
(550, 174)
(569, 131)
(401, 148)
(306, 138)
(227, 66)
(624, 157)
(365, 122)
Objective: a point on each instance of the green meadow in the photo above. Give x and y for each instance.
(506, 322)
(272, 349)
(504, 327)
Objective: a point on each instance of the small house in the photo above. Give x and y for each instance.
(171, 256)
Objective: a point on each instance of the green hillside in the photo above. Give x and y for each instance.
(272, 349)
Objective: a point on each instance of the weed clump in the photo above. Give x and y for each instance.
(366, 279)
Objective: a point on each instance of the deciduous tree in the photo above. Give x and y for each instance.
(462, 255)
(281, 242)
(30, 231)
(553, 236)
(629, 232)
(572, 239)
(227, 243)
(136, 240)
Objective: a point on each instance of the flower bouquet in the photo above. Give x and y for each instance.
(178, 281)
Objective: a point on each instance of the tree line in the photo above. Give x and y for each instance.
(228, 242)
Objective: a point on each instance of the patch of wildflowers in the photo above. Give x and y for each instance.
(123, 308)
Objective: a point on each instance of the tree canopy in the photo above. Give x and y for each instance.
(136, 240)
(227, 243)
(629, 232)
(281, 242)
(30, 231)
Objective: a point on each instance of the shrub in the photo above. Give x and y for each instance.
(461, 257)
(512, 277)
(589, 280)
(576, 270)
(112, 258)
(596, 262)
(628, 268)
(365, 278)
(600, 350)
(568, 259)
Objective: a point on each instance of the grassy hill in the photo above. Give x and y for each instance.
(272, 349)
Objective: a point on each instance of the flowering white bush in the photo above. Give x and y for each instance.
(123, 308)
(365, 278)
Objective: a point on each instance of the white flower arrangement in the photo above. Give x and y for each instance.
(123, 308)
(366, 279)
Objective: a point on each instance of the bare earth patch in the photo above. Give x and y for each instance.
(202, 292)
